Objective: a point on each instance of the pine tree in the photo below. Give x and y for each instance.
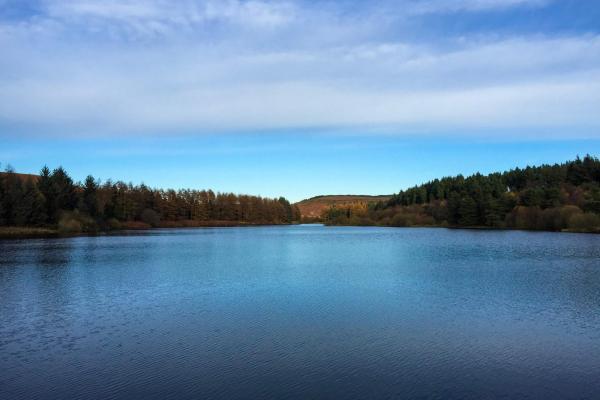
(468, 212)
(30, 210)
(44, 184)
(90, 198)
(63, 190)
(38, 214)
(454, 208)
(12, 195)
(494, 215)
(3, 201)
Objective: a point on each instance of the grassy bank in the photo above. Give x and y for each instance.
(483, 228)
(25, 232)
(20, 232)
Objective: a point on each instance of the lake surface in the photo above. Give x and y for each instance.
(301, 312)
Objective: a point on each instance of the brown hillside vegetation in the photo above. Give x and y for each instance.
(314, 207)
(23, 177)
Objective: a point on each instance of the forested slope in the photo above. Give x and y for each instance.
(548, 197)
(53, 200)
(313, 208)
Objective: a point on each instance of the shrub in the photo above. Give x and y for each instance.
(584, 222)
(550, 220)
(69, 225)
(361, 221)
(424, 220)
(75, 222)
(113, 224)
(386, 221)
(400, 220)
(135, 225)
(567, 212)
(523, 217)
(438, 210)
(150, 217)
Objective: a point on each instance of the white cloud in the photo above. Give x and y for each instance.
(109, 9)
(443, 6)
(161, 17)
(233, 65)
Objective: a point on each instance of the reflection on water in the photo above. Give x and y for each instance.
(301, 312)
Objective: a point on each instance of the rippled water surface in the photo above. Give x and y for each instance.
(301, 312)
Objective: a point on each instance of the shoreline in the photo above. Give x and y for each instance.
(24, 232)
(474, 228)
(16, 233)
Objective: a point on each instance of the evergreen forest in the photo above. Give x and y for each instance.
(548, 197)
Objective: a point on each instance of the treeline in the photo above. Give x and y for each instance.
(549, 197)
(53, 199)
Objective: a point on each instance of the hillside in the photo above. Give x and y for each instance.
(315, 206)
(559, 197)
(22, 177)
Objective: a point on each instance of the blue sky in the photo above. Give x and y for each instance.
(296, 98)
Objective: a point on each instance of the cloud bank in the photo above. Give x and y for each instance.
(191, 67)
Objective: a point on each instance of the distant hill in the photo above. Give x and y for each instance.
(314, 207)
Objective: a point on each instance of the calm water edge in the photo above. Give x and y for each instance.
(301, 312)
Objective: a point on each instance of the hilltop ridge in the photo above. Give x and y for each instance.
(313, 208)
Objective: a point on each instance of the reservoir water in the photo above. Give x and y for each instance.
(301, 312)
